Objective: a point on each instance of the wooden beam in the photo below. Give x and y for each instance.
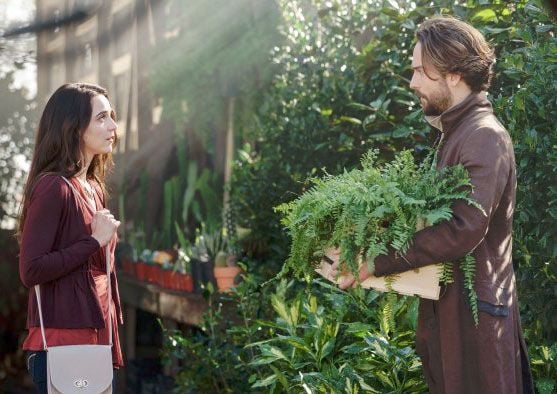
(179, 306)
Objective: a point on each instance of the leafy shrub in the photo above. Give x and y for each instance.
(213, 359)
(320, 343)
(524, 96)
(341, 89)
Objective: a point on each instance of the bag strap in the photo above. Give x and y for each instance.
(107, 261)
(38, 294)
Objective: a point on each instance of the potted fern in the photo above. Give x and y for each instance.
(368, 210)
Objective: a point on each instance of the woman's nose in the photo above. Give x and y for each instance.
(114, 125)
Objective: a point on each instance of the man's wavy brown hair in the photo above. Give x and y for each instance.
(452, 46)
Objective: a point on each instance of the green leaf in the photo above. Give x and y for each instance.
(269, 380)
(327, 348)
(544, 28)
(296, 342)
(360, 106)
(496, 30)
(545, 386)
(485, 15)
(351, 120)
(280, 376)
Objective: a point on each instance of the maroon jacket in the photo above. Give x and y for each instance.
(55, 252)
(457, 356)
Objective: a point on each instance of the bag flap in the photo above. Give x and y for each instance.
(83, 369)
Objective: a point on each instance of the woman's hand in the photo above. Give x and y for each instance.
(104, 226)
(347, 279)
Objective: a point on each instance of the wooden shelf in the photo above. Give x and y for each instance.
(179, 306)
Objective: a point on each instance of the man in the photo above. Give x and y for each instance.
(452, 66)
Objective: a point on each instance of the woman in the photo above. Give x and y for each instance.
(64, 227)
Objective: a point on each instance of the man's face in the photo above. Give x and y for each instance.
(431, 88)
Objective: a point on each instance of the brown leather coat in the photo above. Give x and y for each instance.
(459, 357)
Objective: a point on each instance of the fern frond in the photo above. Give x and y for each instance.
(468, 267)
(367, 210)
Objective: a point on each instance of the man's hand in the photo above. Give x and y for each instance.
(347, 279)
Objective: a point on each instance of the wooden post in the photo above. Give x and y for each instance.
(229, 158)
(130, 327)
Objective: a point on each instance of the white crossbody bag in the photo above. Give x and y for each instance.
(85, 369)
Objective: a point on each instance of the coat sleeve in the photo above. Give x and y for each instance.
(486, 155)
(38, 261)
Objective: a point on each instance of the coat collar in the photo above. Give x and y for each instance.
(451, 118)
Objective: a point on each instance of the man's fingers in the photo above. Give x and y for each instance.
(346, 281)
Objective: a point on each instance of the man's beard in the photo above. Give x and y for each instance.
(438, 102)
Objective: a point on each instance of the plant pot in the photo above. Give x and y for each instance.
(161, 277)
(167, 279)
(141, 270)
(202, 273)
(185, 282)
(152, 273)
(225, 277)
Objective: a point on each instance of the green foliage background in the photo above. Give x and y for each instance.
(340, 87)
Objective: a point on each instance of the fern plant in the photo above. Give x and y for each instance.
(365, 211)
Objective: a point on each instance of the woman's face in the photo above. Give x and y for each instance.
(100, 134)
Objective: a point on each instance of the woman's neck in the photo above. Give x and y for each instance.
(82, 175)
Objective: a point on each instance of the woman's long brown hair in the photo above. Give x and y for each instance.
(58, 144)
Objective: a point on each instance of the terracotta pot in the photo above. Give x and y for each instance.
(225, 277)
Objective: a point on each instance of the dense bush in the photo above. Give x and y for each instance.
(286, 341)
(341, 89)
(525, 98)
(332, 341)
